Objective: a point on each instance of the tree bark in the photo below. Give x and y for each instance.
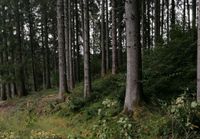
(188, 13)
(198, 56)
(3, 88)
(107, 38)
(184, 14)
(66, 23)
(61, 49)
(114, 39)
(31, 35)
(70, 83)
(167, 7)
(194, 34)
(77, 44)
(144, 24)
(43, 59)
(120, 33)
(157, 22)
(162, 19)
(133, 81)
(193, 14)
(47, 51)
(173, 14)
(103, 59)
(20, 70)
(87, 78)
(148, 25)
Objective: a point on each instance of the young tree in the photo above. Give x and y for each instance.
(133, 81)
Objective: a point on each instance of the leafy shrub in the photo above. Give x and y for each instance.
(109, 108)
(126, 128)
(9, 135)
(108, 127)
(44, 135)
(74, 137)
(168, 70)
(184, 118)
(76, 104)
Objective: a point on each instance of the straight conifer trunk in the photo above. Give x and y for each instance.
(133, 81)
(61, 54)
(103, 59)
(21, 89)
(87, 78)
(157, 22)
(107, 38)
(198, 57)
(114, 38)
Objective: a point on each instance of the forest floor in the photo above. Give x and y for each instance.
(41, 116)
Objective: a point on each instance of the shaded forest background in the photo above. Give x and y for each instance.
(74, 56)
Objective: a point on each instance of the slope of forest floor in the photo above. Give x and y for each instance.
(41, 116)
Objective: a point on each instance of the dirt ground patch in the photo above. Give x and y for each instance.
(6, 106)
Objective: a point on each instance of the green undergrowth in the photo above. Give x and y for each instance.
(41, 116)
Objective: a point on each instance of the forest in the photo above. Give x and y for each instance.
(99, 69)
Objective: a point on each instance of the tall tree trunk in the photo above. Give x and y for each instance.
(70, 83)
(103, 62)
(114, 38)
(198, 56)
(144, 25)
(133, 82)
(157, 22)
(120, 33)
(173, 14)
(61, 49)
(47, 51)
(194, 19)
(30, 18)
(44, 59)
(73, 44)
(188, 13)
(3, 87)
(20, 70)
(168, 16)
(152, 23)
(184, 14)
(87, 78)
(77, 44)
(148, 25)
(162, 19)
(5, 54)
(107, 38)
(193, 14)
(66, 23)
